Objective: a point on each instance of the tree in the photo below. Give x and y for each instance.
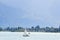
(32, 29)
(47, 29)
(59, 29)
(20, 28)
(37, 28)
(1, 29)
(52, 29)
(7, 29)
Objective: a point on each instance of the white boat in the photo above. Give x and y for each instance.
(25, 33)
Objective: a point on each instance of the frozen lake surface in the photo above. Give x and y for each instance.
(33, 36)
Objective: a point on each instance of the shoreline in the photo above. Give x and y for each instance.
(31, 32)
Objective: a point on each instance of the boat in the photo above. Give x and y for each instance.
(25, 34)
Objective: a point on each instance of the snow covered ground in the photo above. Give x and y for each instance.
(33, 36)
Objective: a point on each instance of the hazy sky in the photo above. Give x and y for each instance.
(30, 13)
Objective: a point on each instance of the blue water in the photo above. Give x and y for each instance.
(33, 36)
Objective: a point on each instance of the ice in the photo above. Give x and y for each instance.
(33, 36)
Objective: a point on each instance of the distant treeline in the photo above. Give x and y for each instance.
(32, 29)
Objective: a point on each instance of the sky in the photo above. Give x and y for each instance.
(27, 13)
